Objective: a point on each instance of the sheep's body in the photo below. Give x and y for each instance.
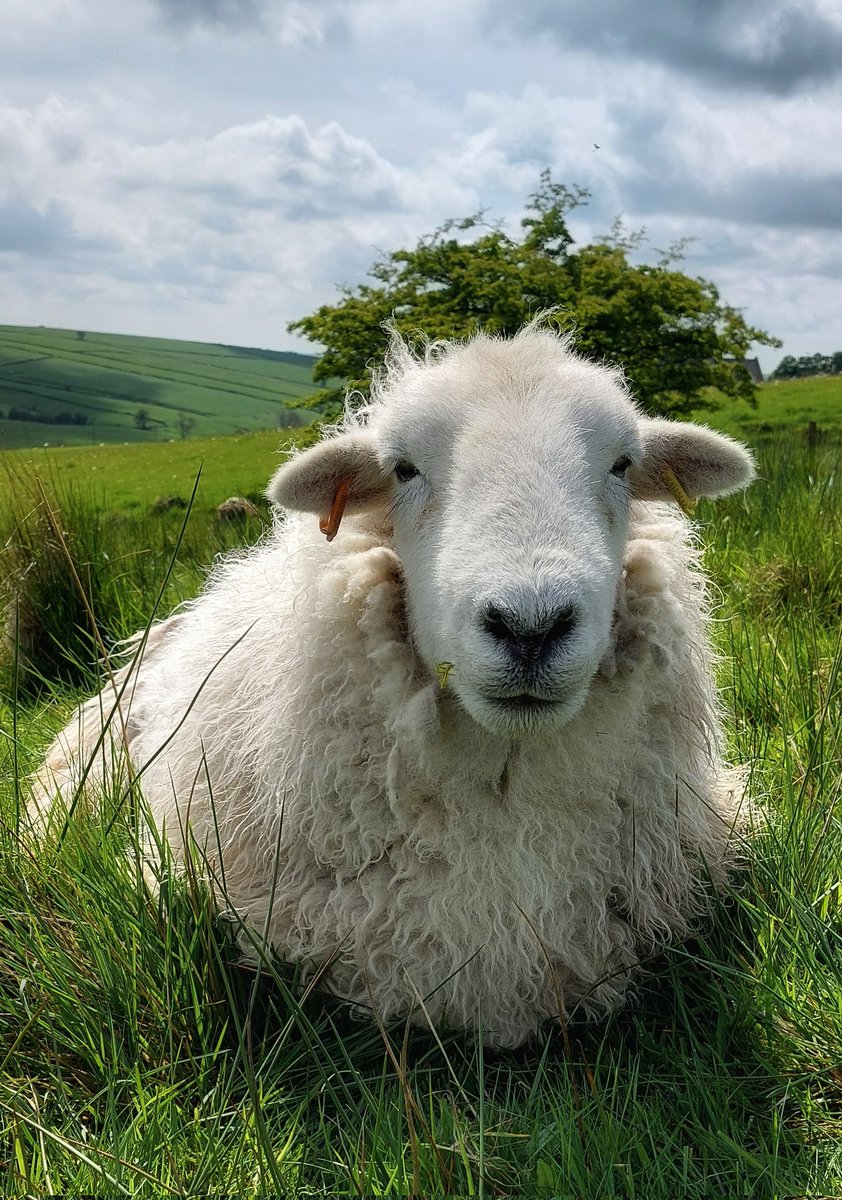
(355, 814)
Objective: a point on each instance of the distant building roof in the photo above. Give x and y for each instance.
(752, 365)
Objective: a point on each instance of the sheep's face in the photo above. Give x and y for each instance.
(507, 470)
(510, 507)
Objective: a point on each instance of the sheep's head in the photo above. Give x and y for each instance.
(507, 469)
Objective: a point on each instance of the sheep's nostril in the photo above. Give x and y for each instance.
(562, 626)
(531, 636)
(496, 623)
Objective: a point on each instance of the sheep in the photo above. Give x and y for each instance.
(463, 755)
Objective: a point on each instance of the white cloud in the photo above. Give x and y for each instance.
(269, 208)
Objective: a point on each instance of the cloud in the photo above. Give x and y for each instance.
(49, 233)
(230, 13)
(779, 198)
(275, 163)
(289, 23)
(271, 213)
(774, 46)
(779, 165)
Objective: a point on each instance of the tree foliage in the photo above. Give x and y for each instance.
(672, 333)
(808, 364)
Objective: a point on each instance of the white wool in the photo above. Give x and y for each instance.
(359, 813)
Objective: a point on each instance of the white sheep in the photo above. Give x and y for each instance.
(469, 752)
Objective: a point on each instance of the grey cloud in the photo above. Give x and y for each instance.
(333, 206)
(230, 13)
(292, 195)
(26, 231)
(745, 44)
(776, 198)
(287, 18)
(779, 198)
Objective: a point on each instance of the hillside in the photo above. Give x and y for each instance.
(103, 388)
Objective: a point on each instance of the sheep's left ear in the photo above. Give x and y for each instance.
(338, 474)
(697, 460)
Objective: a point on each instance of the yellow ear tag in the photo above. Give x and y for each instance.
(443, 670)
(684, 502)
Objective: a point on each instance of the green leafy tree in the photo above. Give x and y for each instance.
(672, 333)
(808, 364)
(787, 368)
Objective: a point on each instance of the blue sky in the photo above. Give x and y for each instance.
(213, 169)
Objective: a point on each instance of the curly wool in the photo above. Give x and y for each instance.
(328, 780)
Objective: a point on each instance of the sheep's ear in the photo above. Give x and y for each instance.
(341, 473)
(682, 461)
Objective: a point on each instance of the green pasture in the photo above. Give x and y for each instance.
(184, 389)
(783, 407)
(140, 1058)
(131, 478)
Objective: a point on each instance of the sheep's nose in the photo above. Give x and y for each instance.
(532, 634)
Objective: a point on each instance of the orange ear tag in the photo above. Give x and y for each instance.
(329, 525)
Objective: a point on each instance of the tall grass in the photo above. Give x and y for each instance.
(139, 1057)
(76, 577)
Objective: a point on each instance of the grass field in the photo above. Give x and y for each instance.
(785, 406)
(130, 478)
(140, 1059)
(185, 389)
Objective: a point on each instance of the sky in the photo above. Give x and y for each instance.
(214, 169)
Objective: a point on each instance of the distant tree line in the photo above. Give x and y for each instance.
(808, 364)
(64, 417)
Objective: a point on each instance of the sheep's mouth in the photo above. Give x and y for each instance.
(523, 704)
(528, 712)
(520, 713)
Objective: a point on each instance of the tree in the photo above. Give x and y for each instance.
(142, 419)
(672, 333)
(186, 425)
(787, 368)
(808, 364)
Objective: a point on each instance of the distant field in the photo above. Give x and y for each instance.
(788, 405)
(130, 478)
(136, 389)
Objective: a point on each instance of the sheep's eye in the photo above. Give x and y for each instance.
(621, 466)
(405, 470)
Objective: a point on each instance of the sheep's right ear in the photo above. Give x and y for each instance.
(341, 473)
(682, 461)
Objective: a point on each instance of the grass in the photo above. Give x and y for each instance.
(184, 388)
(127, 480)
(140, 1058)
(783, 407)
